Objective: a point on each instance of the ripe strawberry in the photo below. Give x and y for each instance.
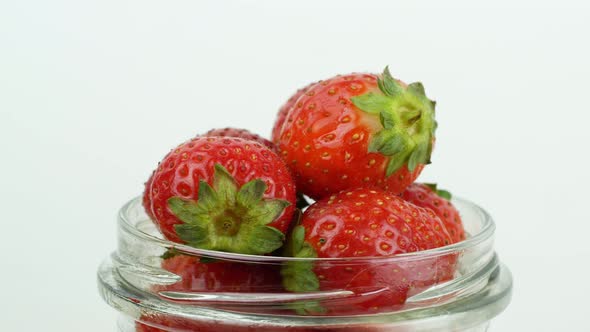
(427, 195)
(214, 276)
(358, 130)
(226, 194)
(241, 133)
(284, 110)
(366, 223)
(221, 276)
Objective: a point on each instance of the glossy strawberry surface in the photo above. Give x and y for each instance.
(221, 276)
(242, 180)
(368, 223)
(241, 133)
(284, 110)
(331, 144)
(427, 196)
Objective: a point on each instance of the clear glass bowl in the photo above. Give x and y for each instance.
(459, 287)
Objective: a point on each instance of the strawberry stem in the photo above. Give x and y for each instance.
(407, 117)
(226, 218)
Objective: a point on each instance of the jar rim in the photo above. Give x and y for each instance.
(486, 232)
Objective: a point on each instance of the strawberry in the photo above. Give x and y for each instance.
(245, 134)
(221, 276)
(358, 130)
(427, 195)
(284, 110)
(209, 276)
(226, 194)
(373, 223)
(241, 133)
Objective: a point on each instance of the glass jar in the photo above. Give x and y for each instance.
(158, 285)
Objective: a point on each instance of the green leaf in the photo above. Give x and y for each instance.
(298, 236)
(394, 164)
(266, 211)
(393, 145)
(193, 234)
(410, 116)
(440, 192)
(251, 193)
(208, 199)
(170, 253)
(186, 210)
(207, 260)
(371, 102)
(432, 186)
(377, 141)
(298, 276)
(388, 84)
(226, 218)
(225, 185)
(417, 89)
(408, 123)
(387, 119)
(264, 239)
(307, 307)
(418, 156)
(444, 194)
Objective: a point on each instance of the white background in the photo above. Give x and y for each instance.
(93, 94)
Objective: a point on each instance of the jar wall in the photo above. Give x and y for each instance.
(137, 281)
(127, 324)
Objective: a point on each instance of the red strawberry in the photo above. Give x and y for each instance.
(357, 130)
(241, 133)
(426, 195)
(221, 276)
(226, 194)
(366, 223)
(214, 276)
(284, 110)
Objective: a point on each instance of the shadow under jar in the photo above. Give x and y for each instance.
(159, 285)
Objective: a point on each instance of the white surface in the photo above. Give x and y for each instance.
(93, 94)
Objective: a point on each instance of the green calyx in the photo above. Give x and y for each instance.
(440, 192)
(407, 117)
(298, 276)
(228, 218)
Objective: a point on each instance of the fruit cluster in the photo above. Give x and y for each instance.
(354, 144)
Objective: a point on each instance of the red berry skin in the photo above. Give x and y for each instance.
(373, 223)
(284, 110)
(146, 199)
(179, 173)
(422, 195)
(241, 133)
(221, 276)
(325, 140)
(215, 276)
